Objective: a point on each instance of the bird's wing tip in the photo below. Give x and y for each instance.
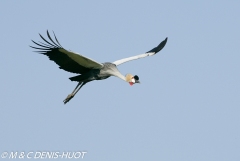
(163, 43)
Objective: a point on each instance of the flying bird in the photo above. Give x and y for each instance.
(88, 69)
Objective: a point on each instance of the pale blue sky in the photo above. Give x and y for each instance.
(186, 108)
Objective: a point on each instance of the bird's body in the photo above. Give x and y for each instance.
(88, 69)
(108, 69)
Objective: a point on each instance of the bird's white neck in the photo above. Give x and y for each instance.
(119, 75)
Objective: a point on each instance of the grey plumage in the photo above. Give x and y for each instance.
(97, 74)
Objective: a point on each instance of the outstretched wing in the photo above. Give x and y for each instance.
(67, 60)
(149, 53)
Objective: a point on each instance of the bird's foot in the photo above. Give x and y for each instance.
(69, 97)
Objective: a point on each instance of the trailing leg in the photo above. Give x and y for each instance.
(70, 96)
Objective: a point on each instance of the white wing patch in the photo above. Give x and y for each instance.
(121, 61)
(149, 53)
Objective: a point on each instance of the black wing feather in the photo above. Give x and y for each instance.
(64, 61)
(47, 41)
(159, 47)
(47, 49)
(46, 45)
(57, 40)
(52, 40)
(41, 45)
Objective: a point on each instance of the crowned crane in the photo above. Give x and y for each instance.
(88, 68)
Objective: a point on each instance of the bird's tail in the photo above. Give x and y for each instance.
(77, 78)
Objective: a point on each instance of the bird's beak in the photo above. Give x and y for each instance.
(137, 81)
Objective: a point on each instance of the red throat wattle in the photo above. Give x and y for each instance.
(131, 83)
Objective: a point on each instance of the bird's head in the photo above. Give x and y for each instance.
(132, 79)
